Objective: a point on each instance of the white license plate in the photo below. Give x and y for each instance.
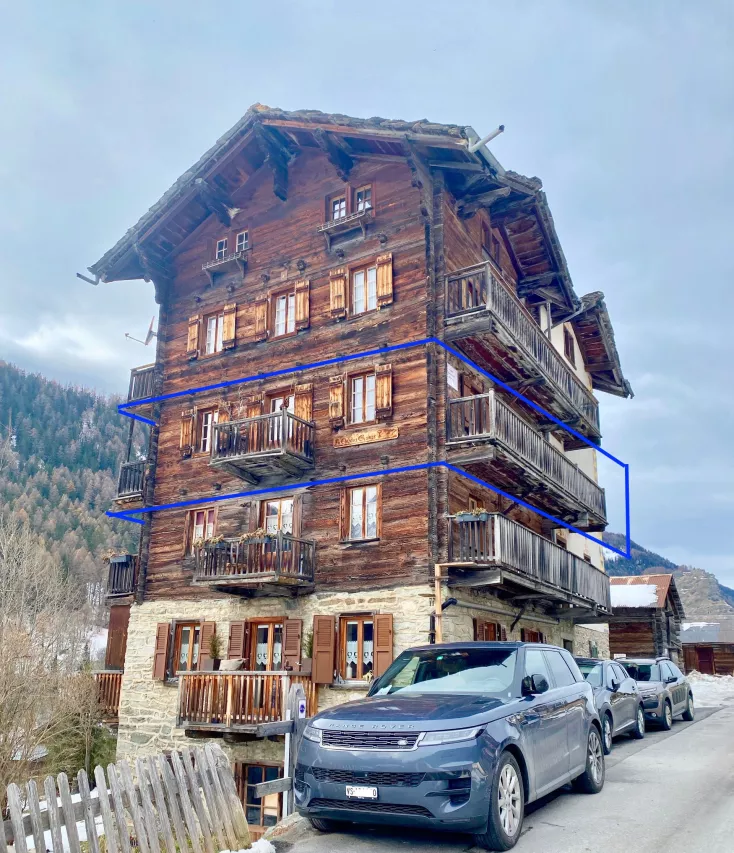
(361, 792)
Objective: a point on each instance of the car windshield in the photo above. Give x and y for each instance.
(643, 671)
(480, 670)
(592, 672)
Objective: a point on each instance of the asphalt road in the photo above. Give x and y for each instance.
(672, 792)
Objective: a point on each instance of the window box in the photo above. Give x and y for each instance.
(472, 516)
(346, 224)
(226, 263)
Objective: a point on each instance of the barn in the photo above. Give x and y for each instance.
(708, 646)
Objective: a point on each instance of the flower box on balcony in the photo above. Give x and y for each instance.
(463, 517)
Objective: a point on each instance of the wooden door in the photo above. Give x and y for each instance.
(706, 660)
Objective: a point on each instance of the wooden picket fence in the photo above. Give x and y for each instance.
(182, 801)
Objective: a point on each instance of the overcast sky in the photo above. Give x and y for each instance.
(625, 110)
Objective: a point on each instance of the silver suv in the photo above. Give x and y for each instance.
(665, 691)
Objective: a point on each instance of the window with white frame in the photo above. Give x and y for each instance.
(203, 525)
(337, 207)
(364, 290)
(206, 429)
(221, 248)
(363, 509)
(363, 198)
(214, 332)
(284, 314)
(243, 241)
(362, 398)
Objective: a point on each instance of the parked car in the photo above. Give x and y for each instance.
(665, 691)
(458, 736)
(617, 698)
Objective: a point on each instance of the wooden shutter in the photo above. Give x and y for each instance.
(479, 630)
(292, 629)
(229, 326)
(344, 514)
(303, 308)
(261, 319)
(383, 391)
(383, 642)
(338, 292)
(117, 637)
(303, 402)
(236, 645)
(160, 652)
(254, 406)
(324, 643)
(336, 401)
(192, 342)
(297, 514)
(522, 635)
(384, 280)
(208, 630)
(188, 424)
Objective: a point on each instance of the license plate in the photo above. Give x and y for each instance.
(361, 792)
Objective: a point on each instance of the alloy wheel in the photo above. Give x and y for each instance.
(596, 757)
(508, 794)
(668, 714)
(640, 720)
(608, 734)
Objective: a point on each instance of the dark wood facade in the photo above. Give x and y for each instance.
(708, 645)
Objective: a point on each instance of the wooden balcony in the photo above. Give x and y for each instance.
(498, 552)
(485, 319)
(246, 702)
(130, 480)
(492, 440)
(345, 225)
(122, 575)
(142, 383)
(109, 683)
(228, 263)
(264, 446)
(277, 564)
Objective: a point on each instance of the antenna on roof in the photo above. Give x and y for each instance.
(488, 138)
(148, 338)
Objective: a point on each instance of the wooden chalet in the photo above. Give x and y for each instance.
(300, 238)
(708, 644)
(647, 616)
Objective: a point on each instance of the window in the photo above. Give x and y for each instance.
(528, 635)
(363, 199)
(535, 664)
(486, 241)
(221, 248)
(357, 648)
(495, 249)
(284, 314)
(362, 398)
(267, 644)
(278, 515)
(186, 638)
(568, 645)
(207, 419)
(337, 207)
(593, 673)
(363, 512)
(619, 673)
(593, 649)
(569, 346)
(214, 333)
(243, 241)
(561, 673)
(202, 524)
(667, 671)
(275, 427)
(364, 290)
(259, 811)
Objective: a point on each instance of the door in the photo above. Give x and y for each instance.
(278, 404)
(629, 701)
(573, 693)
(267, 645)
(544, 725)
(673, 679)
(705, 656)
(277, 518)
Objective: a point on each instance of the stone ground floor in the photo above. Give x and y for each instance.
(162, 638)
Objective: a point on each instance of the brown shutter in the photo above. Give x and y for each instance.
(323, 649)
(160, 653)
(229, 326)
(192, 342)
(303, 308)
(478, 630)
(338, 292)
(297, 514)
(254, 406)
(261, 319)
(188, 422)
(383, 642)
(292, 629)
(117, 637)
(383, 391)
(303, 403)
(384, 280)
(344, 514)
(236, 646)
(336, 401)
(208, 630)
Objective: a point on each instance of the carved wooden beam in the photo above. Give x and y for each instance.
(216, 201)
(471, 205)
(159, 273)
(338, 157)
(277, 157)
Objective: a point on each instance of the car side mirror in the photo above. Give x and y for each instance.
(615, 685)
(533, 685)
(670, 679)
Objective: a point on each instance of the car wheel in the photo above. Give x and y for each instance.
(506, 807)
(607, 728)
(688, 714)
(323, 824)
(591, 781)
(638, 732)
(667, 715)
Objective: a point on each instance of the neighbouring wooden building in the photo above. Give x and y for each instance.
(647, 616)
(402, 258)
(708, 645)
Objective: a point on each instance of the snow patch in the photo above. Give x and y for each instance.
(685, 625)
(711, 690)
(634, 595)
(259, 846)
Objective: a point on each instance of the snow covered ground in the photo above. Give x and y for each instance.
(711, 690)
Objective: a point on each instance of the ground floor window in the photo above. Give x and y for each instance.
(528, 635)
(186, 646)
(260, 812)
(357, 653)
(267, 645)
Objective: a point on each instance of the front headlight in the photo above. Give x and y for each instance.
(313, 734)
(449, 736)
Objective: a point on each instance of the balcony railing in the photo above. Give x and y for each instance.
(142, 383)
(280, 557)
(109, 683)
(498, 541)
(485, 416)
(130, 481)
(122, 575)
(279, 441)
(231, 700)
(476, 289)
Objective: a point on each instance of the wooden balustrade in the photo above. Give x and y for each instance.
(122, 574)
(280, 555)
(276, 432)
(142, 383)
(238, 699)
(496, 540)
(479, 288)
(130, 480)
(109, 683)
(487, 416)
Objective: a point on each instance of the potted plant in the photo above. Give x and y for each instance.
(307, 659)
(215, 651)
(477, 513)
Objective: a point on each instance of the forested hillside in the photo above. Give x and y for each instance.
(60, 451)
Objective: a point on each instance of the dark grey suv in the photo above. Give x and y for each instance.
(617, 698)
(458, 736)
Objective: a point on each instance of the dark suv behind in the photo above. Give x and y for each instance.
(458, 737)
(664, 689)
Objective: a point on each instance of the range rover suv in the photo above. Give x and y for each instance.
(459, 736)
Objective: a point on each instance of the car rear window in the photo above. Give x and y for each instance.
(643, 671)
(592, 672)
